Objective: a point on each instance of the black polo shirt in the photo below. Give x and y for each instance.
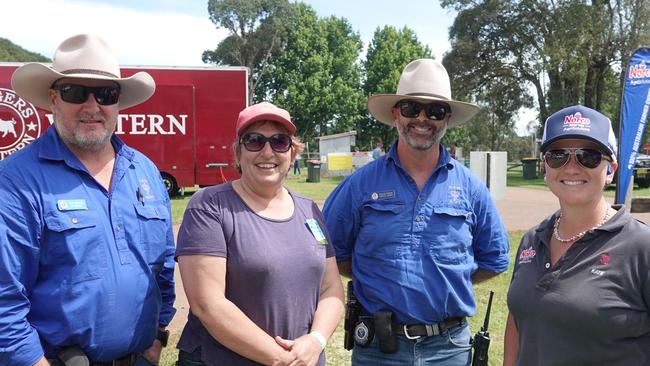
(593, 306)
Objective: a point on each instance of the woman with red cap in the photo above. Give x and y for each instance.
(580, 291)
(256, 260)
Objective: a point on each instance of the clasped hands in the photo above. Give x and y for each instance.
(302, 351)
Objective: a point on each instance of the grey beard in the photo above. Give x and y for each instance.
(82, 142)
(434, 139)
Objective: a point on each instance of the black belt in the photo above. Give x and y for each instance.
(415, 331)
(127, 360)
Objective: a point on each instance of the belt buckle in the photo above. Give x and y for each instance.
(406, 333)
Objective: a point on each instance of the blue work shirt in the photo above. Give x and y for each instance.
(82, 266)
(414, 253)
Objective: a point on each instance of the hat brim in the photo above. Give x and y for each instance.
(380, 105)
(33, 80)
(273, 117)
(605, 148)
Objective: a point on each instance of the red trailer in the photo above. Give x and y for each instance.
(187, 127)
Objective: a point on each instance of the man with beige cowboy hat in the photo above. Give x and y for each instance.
(414, 229)
(87, 270)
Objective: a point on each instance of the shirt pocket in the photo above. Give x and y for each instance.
(153, 220)
(383, 229)
(76, 242)
(450, 235)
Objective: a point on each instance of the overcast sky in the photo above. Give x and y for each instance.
(176, 32)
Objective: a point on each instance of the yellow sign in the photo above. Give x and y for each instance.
(339, 161)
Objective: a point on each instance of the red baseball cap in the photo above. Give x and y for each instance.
(264, 111)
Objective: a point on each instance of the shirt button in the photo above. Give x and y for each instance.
(418, 218)
(117, 228)
(74, 220)
(548, 265)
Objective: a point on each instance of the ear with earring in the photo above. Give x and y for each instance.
(610, 175)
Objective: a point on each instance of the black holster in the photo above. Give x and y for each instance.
(352, 313)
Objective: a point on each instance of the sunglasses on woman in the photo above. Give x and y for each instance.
(78, 94)
(433, 111)
(588, 158)
(253, 142)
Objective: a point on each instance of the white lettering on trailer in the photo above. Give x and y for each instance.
(151, 124)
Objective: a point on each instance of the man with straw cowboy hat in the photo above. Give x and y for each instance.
(414, 229)
(87, 269)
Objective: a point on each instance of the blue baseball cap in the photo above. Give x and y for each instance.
(580, 122)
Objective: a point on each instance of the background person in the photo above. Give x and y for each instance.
(296, 164)
(416, 228)
(580, 290)
(378, 151)
(256, 259)
(90, 247)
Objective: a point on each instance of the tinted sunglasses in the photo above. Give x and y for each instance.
(434, 111)
(253, 142)
(78, 94)
(588, 158)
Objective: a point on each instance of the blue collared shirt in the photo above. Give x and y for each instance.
(81, 265)
(413, 253)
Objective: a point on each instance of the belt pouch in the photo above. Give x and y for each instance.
(384, 330)
(73, 356)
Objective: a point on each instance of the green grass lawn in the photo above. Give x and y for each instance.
(336, 354)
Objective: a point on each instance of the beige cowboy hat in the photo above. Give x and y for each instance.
(423, 80)
(83, 56)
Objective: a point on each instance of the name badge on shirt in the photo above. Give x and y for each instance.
(316, 231)
(386, 195)
(71, 205)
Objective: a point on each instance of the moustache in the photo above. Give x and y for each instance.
(94, 117)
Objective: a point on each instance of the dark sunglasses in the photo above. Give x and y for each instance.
(588, 158)
(78, 94)
(253, 142)
(434, 111)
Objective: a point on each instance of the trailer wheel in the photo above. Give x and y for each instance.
(170, 184)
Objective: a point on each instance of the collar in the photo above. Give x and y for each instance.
(545, 229)
(444, 158)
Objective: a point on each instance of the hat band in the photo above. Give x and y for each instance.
(89, 71)
(420, 94)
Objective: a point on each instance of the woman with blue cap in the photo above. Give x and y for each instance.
(580, 291)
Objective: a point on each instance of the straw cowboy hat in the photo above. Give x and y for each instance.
(424, 80)
(81, 57)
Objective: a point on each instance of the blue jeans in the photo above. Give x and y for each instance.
(452, 348)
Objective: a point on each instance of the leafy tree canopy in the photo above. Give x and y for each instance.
(10, 52)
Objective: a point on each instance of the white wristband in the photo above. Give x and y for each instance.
(321, 339)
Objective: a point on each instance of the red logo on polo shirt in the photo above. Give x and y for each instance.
(604, 259)
(527, 255)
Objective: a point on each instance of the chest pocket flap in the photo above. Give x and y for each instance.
(151, 212)
(61, 221)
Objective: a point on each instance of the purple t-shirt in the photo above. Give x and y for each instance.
(274, 268)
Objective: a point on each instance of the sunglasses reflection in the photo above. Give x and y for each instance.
(587, 158)
(254, 142)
